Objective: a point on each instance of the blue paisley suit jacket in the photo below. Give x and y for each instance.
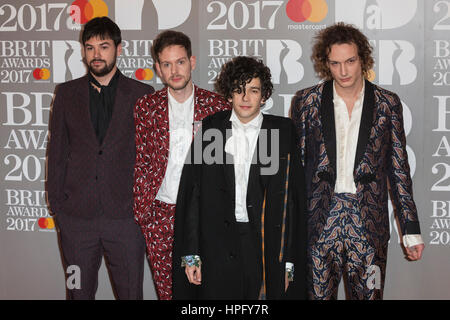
(381, 160)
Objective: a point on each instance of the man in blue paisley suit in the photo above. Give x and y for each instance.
(353, 149)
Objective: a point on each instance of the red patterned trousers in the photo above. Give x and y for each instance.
(158, 233)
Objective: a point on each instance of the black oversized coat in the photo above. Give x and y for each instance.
(205, 223)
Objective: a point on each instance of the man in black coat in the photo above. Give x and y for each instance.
(91, 155)
(239, 223)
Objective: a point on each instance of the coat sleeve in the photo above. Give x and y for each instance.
(399, 173)
(186, 228)
(142, 185)
(57, 153)
(296, 224)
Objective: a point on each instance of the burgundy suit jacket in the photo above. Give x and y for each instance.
(86, 179)
(152, 142)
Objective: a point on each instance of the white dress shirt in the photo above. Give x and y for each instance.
(241, 145)
(347, 131)
(181, 119)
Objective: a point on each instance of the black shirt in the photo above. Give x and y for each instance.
(101, 104)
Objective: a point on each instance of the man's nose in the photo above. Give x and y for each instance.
(96, 53)
(343, 69)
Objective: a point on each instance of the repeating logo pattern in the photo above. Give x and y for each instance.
(310, 10)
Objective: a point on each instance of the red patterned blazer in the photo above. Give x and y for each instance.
(151, 118)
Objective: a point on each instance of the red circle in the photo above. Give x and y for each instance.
(43, 223)
(140, 74)
(298, 10)
(78, 15)
(37, 74)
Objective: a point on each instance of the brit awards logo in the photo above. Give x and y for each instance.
(376, 14)
(67, 61)
(396, 62)
(171, 13)
(283, 60)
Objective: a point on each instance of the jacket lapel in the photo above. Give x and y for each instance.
(81, 96)
(228, 165)
(256, 180)
(328, 123)
(121, 102)
(366, 122)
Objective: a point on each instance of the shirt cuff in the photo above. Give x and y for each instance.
(411, 240)
(290, 270)
(191, 260)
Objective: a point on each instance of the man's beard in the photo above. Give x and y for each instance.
(104, 71)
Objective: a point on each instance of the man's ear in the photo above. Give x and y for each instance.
(158, 69)
(119, 49)
(193, 60)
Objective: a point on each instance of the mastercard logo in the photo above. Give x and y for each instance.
(144, 74)
(46, 223)
(87, 10)
(302, 10)
(41, 74)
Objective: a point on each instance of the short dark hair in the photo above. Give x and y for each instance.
(239, 71)
(103, 28)
(170, 38)
(340, 33)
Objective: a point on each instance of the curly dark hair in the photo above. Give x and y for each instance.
(340, 33)
(239, 71)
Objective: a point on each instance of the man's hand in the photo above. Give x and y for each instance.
(286, 281)
(414, 253)
(194, 274)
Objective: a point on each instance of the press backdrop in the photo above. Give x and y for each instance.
(39, 48)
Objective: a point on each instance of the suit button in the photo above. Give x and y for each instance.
(227, 223)
(232, 256)
(100, 152)
(96, 178)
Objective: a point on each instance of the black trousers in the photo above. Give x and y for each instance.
(251, 264)
(84, 243)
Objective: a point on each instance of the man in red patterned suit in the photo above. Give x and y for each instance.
(165, 124)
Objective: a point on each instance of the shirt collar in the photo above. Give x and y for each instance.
(254, 123)
(174, 102)
(336, 96)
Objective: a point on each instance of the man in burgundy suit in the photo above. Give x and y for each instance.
(165, 124)
(90, 168)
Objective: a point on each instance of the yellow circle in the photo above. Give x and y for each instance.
(371, 75)
(148, 74)
(44, 73)
(319, 10)
(100, 9)
(50, 223)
